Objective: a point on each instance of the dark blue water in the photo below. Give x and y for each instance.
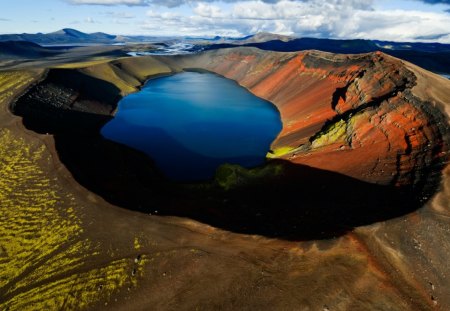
(191, 123)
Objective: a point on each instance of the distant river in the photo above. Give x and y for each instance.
(190, 123)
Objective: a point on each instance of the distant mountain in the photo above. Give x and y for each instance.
(432, 56)
(264, 37)
(63, 36)
(69, 33)
(68, 36)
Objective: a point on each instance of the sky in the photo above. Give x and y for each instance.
(394, 20)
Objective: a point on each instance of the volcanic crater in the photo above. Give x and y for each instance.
(349, 212)
(359, 143)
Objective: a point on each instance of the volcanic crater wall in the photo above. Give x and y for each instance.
(367, 116)
(352, 114)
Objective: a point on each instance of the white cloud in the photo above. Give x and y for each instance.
(90, 20)
(171, 23)
(165, 3)
(317, 18)
(313, 18)
(175, 3)
(120, 15)
(399, 25)
(208, 10)
(111, 2)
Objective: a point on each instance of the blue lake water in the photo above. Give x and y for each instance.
(191, 123)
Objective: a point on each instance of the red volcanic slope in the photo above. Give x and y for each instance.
(353, 114)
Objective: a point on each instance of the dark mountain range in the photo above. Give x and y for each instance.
(68, 36)
(341, 46)
(63, 36)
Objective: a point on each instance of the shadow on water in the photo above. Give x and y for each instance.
(181, 161)
(300, 203)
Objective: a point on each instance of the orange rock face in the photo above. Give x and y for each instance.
(349, 114)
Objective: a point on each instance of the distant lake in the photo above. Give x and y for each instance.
(445, 75)
(191, 123)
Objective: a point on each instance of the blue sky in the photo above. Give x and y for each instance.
(402, 20)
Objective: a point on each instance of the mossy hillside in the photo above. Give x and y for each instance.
(107, 72)
(11, 82)
(46, 261)
(279, 152)
(144, 67)
(125, 74)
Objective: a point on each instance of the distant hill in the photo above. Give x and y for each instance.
(69, 36)
(23, 49)
(264, 37)
(69, 33)
(432, 56)
(63, 36)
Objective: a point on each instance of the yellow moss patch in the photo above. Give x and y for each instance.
(12, 81)
(30, 229)
(334, 133)
(137, 245)
(279, 152)
(46, 263)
